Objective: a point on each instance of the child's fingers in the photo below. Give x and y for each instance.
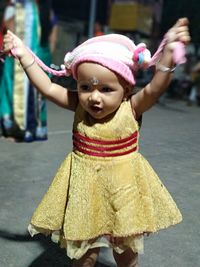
(182, 22)
(179, 32)
(10, 37)
(181, 29)
(10, 41)
(13, 37)
(184, 37)
(7, 48)
(11, 34)
(8, 44)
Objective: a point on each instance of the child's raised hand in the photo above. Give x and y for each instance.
(12, 45)
(178, 33)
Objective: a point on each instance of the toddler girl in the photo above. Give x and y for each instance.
(105, 194)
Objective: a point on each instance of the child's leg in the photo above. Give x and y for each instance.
(127, 259)
(88, 260)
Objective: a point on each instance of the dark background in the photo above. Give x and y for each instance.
(70, 10)
(174, 9)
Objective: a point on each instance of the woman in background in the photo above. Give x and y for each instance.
(3, 4)
(22, 109)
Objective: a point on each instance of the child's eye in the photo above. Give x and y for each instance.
(106, 89)
(84, 87)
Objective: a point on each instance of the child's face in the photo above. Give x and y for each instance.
(100, 90)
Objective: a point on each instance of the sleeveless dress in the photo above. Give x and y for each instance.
(104, 188)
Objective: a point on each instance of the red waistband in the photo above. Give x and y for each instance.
(105, 148)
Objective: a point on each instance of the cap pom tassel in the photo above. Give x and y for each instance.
(142, 56)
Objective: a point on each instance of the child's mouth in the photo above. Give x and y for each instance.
(96, 109)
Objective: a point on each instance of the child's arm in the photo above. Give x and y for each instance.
(37, 76)
(149, 95)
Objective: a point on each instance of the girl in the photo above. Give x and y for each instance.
(105, 194)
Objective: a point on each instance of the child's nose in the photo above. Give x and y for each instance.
(95, 96)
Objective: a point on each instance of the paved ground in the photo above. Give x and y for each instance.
(170, 140)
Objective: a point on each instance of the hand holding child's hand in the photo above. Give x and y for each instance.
(12, 45)
(178, 33)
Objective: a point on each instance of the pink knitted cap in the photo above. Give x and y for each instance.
(113, 51)
(119, 54)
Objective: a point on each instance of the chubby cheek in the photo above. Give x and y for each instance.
(83, 100)
(112, 106)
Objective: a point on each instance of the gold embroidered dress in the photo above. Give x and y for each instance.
(115, 194)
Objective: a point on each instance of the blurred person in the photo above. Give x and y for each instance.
(194, 96)
(105, 193)
(98, 29)
(3, 4)
(22, 109)
(157, 6)
(180, 86)
(48, 23)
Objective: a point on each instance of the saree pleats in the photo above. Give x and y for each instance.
(22, 108)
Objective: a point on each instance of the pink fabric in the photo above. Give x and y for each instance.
(178, 53)
(124, 66)
(121, 68)
(41, 64)
(118, 67)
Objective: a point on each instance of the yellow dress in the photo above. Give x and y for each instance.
(100, 196)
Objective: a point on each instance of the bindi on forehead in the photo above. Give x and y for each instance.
(94, 81)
